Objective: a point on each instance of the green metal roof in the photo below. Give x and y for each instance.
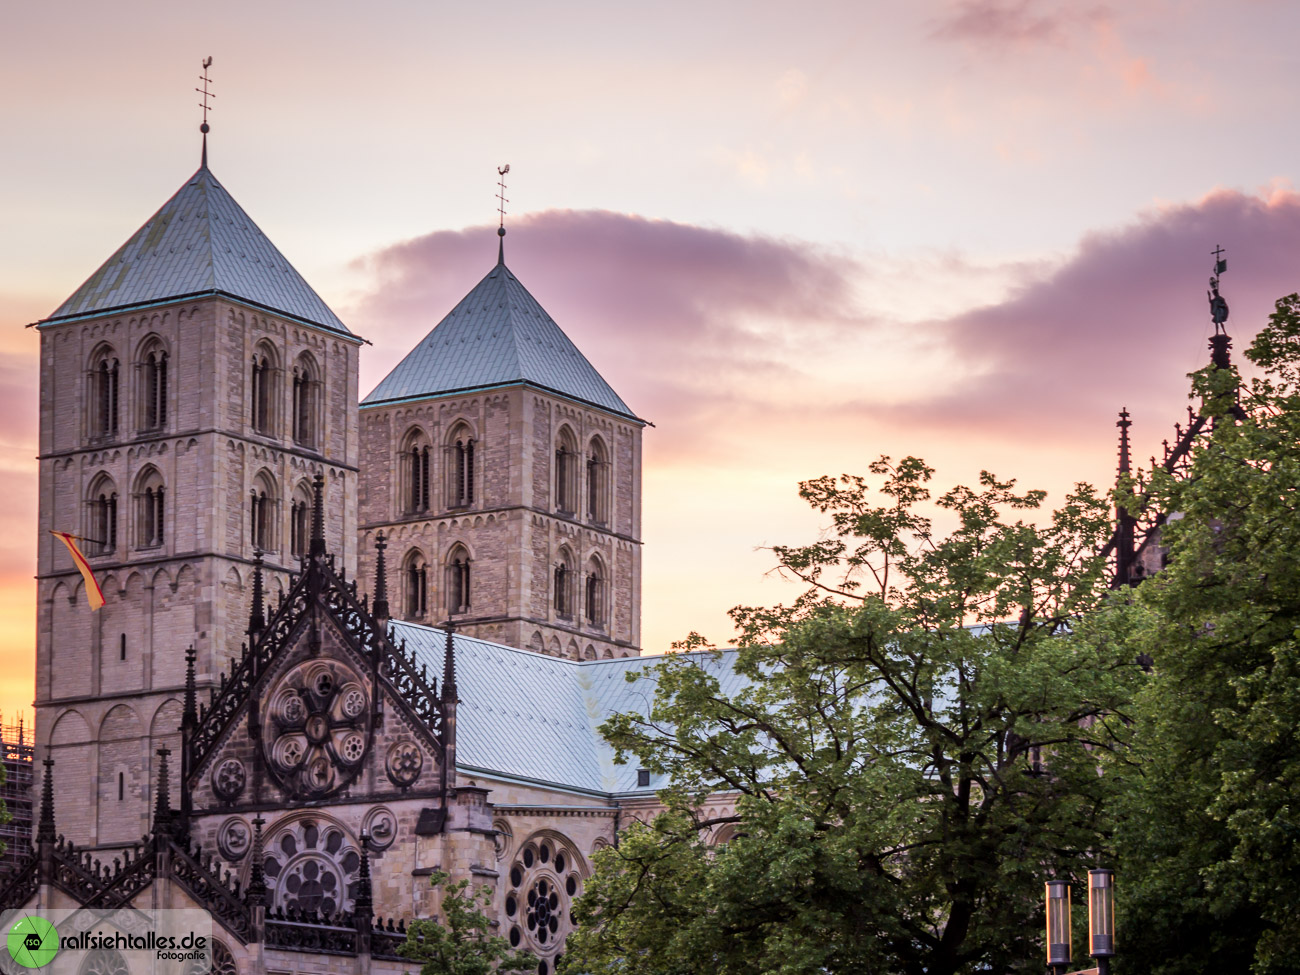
(499, 335)
(530, 716)
(200, 243)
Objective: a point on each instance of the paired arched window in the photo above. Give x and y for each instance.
(597, 482)
(151, 367)
(299, 520)
(458, 581)
(460, 467)
(306, 401)
(594, 593)
(562, 585)
(102, 393)
(415, 574)
(262, 405)
(101, 517)
(261, 516)
(566, 472)
(149, 509)
(415, 472)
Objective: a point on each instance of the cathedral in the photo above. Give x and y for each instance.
(345, 642)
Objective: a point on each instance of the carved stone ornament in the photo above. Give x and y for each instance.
(312, 866)
(405, 760)
(381, 825)
(234, 839)
(318, 728)
(229, 779)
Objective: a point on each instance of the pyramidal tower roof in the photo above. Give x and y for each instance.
(200, 243)
(499, 335)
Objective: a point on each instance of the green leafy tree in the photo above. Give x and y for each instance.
(461, 943)
(1209, 827)
(891, 814)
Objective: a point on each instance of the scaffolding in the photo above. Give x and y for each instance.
(17, 745)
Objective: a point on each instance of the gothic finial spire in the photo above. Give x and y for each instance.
(255, 892)
(1124, 423)
(364, 904)
(205, 128)
(257, 613)
(380, 611)
(318, 516)
(162, 811)
(45, 829)
(449, 662)
(501, 211)
(190, 716)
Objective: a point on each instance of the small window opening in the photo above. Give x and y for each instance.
(643, 776)
(121, 650)
(121, 786)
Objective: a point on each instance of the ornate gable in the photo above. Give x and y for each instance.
(320, 706)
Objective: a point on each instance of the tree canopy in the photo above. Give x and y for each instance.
(889, 810)
(461, 943)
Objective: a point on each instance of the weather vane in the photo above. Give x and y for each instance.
(501, 196)
(501, 211)
(207, 63)
(1218, 306)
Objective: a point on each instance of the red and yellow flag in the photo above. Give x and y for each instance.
(93, 594)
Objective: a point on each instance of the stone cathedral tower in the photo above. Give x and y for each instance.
(191, 389)
(506, 475)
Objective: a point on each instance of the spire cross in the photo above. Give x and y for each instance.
(207, 63)
(1218, 253)
(501, 196)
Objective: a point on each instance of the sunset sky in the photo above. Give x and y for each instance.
(792, 236)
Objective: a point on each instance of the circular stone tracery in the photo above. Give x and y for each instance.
(320, 728)
(312, 867)
(542, 882)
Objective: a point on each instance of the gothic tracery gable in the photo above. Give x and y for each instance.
(320, 707)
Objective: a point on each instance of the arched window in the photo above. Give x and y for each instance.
(261, 517)
(415, 472)
(102, 393)
(263, 398)
(299, 515)
(563, 585)
(416, 576)
(151, 368)
(149, 509)
(306, 396)
(597, 482)
(101, 517)
(566, 473)
(460, 467)
(594, 602)
(458, 589)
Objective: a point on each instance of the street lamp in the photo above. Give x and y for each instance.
(1058, 925)
(1101, 918)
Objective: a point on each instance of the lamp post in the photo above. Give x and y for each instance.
(1101, 918)
(1058, 926)
(1101, 922)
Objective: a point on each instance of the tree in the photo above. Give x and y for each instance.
(892, 813)
(461, 944)
(1209, 828)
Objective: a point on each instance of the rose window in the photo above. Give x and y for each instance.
(312, 867)
(543, 881)
(320, 723)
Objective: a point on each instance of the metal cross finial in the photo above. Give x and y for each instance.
(204, 128)
(501, 193)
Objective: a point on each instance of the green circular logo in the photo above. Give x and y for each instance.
(33, 942)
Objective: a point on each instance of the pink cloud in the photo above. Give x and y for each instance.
(1002, 23)
(679, 319)
(1120, 322)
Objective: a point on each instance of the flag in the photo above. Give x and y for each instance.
(93, 594)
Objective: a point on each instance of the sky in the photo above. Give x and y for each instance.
(794, 237)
